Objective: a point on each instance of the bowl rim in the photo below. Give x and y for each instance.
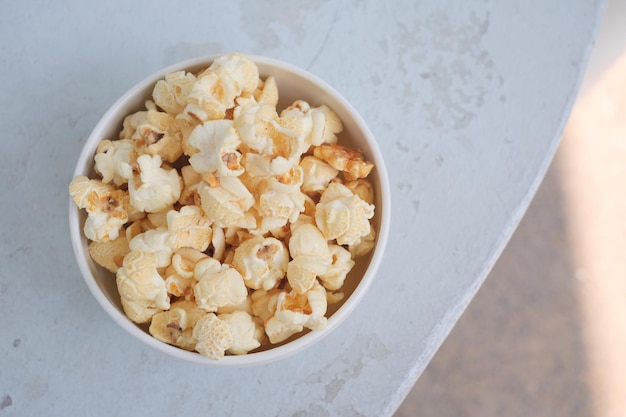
(255, 358)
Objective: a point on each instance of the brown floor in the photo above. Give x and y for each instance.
(546, 334)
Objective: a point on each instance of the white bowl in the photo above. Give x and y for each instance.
(293, 84)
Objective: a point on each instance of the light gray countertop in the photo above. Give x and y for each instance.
(466, 99)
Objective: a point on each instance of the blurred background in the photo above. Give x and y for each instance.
(546, 333)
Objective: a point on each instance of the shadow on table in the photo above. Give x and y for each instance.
(518, 349)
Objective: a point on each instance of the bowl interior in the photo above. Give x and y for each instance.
(293, 84)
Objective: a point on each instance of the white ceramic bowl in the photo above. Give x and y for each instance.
(293, 83)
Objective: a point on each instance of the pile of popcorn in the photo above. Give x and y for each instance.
(227, 225)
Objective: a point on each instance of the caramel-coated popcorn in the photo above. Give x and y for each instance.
(230, 224)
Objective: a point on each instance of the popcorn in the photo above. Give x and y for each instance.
(158, 242)
(151, 187)
(219, 243)
(131, 122)
(105, 212)
(160, 134)
(343, 216)
(114, 157)
(158, 219)
(175, 326)
(247, 331)
(179, 275)
(311, 258)
(348, 160)
(254, 122)
(110, 254)
(221, 288)
(209, 99)
(240, 69)
(214, 336)
(280, 199)
(266, 165)
(261, 261)
(362, 188)
(364, 245)
(314, 126)
(138, 227)
(246, 306)
(336, 272)
(226, 202)
(142, 290)
(133, 213)
(171, 93)
(191, 181)
(334, 297)
(316, 174)
(215, 90)
(296, 311)
(228, 224)
(190, 228)
(287, 143)
(217, 142)
(263, 303)
(266, 91)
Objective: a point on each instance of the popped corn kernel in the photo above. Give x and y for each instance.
(218, 240)
(214, 336)
(341, 263)
(245, 306)
(191, 181)
(103, 203)
(364, 245)
(137, 227)
(261, 261)
(151, 187)
(296, 311)
(348, 160)
(247, 331)
(363, 188)
(264, 303)
(131, 122)
(266, 91)
(158, 242)
(209, 98)
(226, 203)
(160, 134)
(265, 165)
(240, 69)
(171, 93)
(280, 199)
(113, 158)
(254, 124)
(179, 275)
(190, 228)
(334, 297)
(159, 219)
(133, 213)
(217, 142)
(142, 289)
(208, 265)
(326, 131)
(316, 174)
(219, 289)
(311, 258)
(175, 326)
(110, 254)
(343, 216)
(313, 125)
